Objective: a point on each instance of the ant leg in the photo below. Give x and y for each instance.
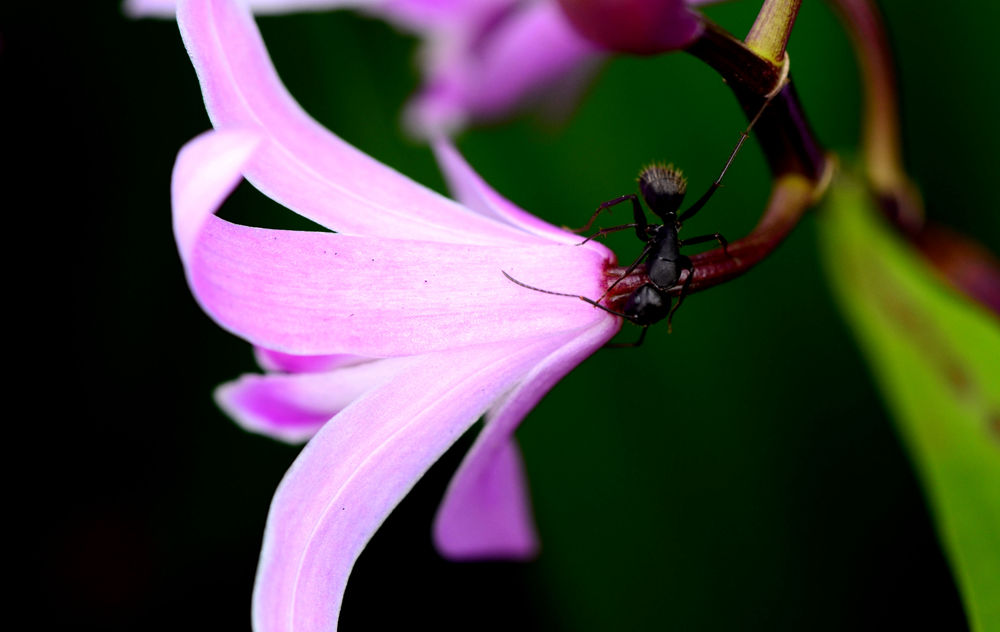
(606, 231)
(640, 224)
(606, 205)
(680, 296)
(628, 271)
(688, 214)
(628, 345)
(703, 238)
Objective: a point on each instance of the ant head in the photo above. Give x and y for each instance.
(647, 305)
(663, 188)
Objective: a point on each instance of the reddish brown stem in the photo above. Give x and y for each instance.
(783, 131)
(791, 196)
(881, 129)
(963, 263)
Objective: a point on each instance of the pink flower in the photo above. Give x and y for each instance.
(386, 340)
(482, 59)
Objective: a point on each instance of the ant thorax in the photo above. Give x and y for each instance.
(665, 262)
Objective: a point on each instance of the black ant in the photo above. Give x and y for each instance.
(662, 188)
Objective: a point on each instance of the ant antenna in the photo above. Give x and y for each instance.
(688, 214)
(582, 298)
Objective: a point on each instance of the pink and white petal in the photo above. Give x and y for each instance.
(207, 170)
(440, 108)
(294, 407)
(312, 293)
(474, 192)
(523, 56)
(278, 362)
(356, 469)
(302, 165)
(434, 18)
(168, 8)
(486, 512)
(526, 54)
(150, 8)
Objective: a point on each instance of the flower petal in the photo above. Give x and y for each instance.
(471, 190)
(437, 18)
(302, 165)
(278, 362)
(486, 512)
(168, 8)
(322, 293)
(528, 52)
(356, 469)
(522, 56)
(293, 408)
(207, 170)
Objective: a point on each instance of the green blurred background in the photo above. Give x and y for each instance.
(740, 473)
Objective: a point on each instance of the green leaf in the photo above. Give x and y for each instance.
(936, 357)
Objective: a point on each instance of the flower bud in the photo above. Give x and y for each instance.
(642, 27)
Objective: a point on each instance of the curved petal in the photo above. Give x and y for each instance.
(302, 165)
(434, 18)
(168, 8)
(293, 408)
(207, 170)
(474, 192)
(356, 469)
(312, 293)
(486, 512)
(522, 56)
(525, 55)
(278, 362)
(323, 293)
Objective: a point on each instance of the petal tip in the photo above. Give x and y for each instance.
(206, 171)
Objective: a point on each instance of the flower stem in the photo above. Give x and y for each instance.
(791, 196)
(757, 71)
(738, 65)
(770, 32)
(881, 134)
(783, 131)
(967, 266)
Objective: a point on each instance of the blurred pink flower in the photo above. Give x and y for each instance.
(483, 59)
(385, 340)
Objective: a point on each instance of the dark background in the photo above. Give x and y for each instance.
(740, 473)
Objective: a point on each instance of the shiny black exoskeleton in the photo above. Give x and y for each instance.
(662, 188)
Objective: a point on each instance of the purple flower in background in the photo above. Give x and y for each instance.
(482, 59)
(385, 340)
